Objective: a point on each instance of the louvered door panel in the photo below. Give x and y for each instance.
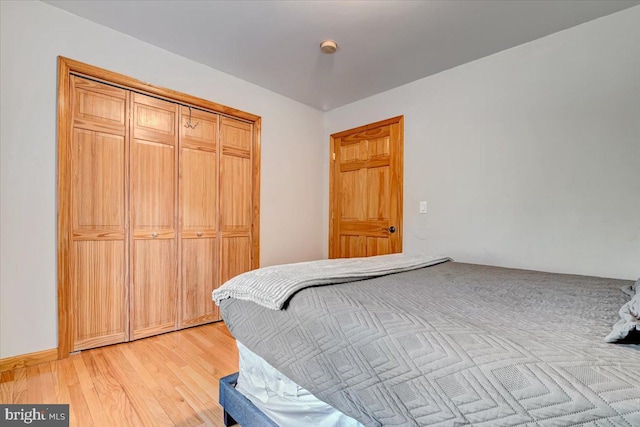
(153, 290)
(235, 197)
(100, 300)
(154, 266)
(235, 256)
(198, 215)
(199, 278)
(99, 289)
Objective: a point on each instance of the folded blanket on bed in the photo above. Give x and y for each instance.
(271, 287)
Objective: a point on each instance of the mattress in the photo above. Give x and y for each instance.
(454, 344)
(282, 400)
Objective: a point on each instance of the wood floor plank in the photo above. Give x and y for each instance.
(61, 392)
(87, 372)
(205, 354)
(111, 392)
(34, 390)
(95, 407)
(171, 351)
(90, 364)
(190, 384)
(155, 362)
(205, 382)
(47, 389)
(200, 368)
(6, 390)
(79, 412)
(84, 377)
(166, 380)
(140, 396)
(212, 415)
(6, 376)
(60, 387)
(20, 386)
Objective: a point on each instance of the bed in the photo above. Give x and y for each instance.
(443, 343)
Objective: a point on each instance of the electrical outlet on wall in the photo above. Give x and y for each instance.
(423, 207)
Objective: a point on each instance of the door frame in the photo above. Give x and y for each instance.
(68, 67)
(395, 179)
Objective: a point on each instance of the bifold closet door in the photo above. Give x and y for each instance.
(154, 251)
(236, 183)
(198, 215)
(99, 243)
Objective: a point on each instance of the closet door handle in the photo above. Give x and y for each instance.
(199, 233)
(154, 235)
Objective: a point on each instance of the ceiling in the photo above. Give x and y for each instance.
(382, 44)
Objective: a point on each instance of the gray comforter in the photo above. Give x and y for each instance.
(452, 345)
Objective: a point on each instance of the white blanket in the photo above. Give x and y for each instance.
(629, 317)
(271, 287)
(282, 400)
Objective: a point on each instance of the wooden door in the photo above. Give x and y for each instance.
(98, 255)
(154, 252)
(198, 215)
(236, 200)
(366, 190)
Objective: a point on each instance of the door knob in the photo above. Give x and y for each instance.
(391, 229)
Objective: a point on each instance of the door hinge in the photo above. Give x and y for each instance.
(334, 156)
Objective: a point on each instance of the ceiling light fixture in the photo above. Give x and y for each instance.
(328, 47)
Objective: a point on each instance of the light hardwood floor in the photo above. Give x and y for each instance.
(166, 380)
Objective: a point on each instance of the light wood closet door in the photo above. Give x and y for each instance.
(235, 197)
(154, 252)
(198, 215)
(98, 205)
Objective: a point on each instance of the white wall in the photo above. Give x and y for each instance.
(32, 35)
(528, 158)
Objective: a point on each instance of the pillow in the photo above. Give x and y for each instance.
(629, 318)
